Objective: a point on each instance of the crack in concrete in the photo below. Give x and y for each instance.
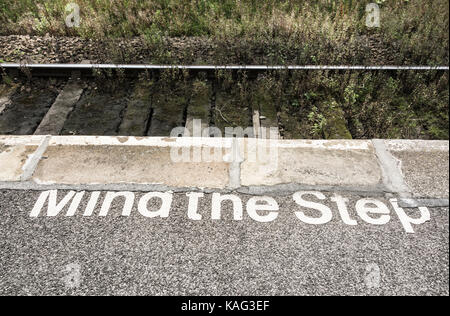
(391, 172)
(31, 164)
(235, 166)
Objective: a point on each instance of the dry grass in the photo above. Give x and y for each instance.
(419, 28)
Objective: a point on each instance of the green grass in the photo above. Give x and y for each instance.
(418, 28)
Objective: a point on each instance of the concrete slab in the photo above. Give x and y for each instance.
(264, 101)
(244, 165)
(97, 160)
(53, 122)
(99, 110)
(232, 111)
(327, 163)
(26, 108)
(417, 145)
(199, 108)
(14, 154)
(168, 104)
(424, 165)
(6, 91)
(138, 112)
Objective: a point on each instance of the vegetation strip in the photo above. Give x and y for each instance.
(229, 31)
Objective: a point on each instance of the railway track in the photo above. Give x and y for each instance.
(87, 69)
(107, 99)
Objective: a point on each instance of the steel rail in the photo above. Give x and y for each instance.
(212, 67)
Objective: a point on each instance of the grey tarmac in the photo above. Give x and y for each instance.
(135, 255)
